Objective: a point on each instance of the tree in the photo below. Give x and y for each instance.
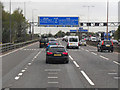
(117, 33)
(60, 34)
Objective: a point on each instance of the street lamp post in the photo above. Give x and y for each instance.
(107, 19)
(88, 14)
(10, 24)
(33, 21)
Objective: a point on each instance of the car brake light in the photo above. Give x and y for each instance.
(65, 53)
(68, 44)
(56, 43)
(47, 44)
(78, 44)
(49, 53)
(112, 42)
(102, 42)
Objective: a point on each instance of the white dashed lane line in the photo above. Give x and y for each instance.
(93, 53)
(116, 63)
(53, 82)
(104, 57)
(71, 57)
(52, 77)
(88, 79)
(76, 64)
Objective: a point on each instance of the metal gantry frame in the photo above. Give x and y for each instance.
(86, 24)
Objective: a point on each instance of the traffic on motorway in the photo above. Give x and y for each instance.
(60, 45)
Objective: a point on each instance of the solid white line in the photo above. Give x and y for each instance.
(104, 57)
(88, 79)
(29, 63)
(93, 53)
(52, 77)
(116, 62)
(16, 50)
(76, 64)
(116, 77)
(53, 82)
(71, 57)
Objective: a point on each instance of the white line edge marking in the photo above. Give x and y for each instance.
(116, 62)
(116, 77)
(87, 50)
(52, 69)
(104, 57)
(52, 77)
(76, 64)
(22, 70)
(70, 57)
(53, 82)
(16, 50)
(93, 53)
(88, 79)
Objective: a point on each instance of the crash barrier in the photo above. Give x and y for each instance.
(95, 43)
(10, 46)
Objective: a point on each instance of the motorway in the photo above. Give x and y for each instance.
(26, 68)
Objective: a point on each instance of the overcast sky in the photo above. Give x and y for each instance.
(67, 7)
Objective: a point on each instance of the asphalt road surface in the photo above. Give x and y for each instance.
(26, 68)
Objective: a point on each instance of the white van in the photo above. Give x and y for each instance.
(73, 42)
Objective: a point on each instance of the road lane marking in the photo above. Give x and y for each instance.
(16, 50)
(52, 77)
(52, 70)
(116, 77)
(116, 63)
(29, 63)
(104, 57)
(82, 48)
(20, 74)
(87, 50)
(76, 64)
(53, 82)
(71, 57)
(22, 70)
(52, 73)
(111, 73)
(88, 79)
(17, 77)
(93, 53)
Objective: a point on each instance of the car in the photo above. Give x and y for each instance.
(105, 45)
(82, 43)
(52, 39)
(43, 42)
(115, 41)
(57, 53)
(73, 42)
(50, 43)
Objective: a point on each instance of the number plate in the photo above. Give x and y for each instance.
(107, 45)
(42, 43)
(57, 54)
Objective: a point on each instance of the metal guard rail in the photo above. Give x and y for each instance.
(4, 48)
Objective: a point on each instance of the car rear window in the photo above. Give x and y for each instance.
(52, 43)
(107, 42)
(73, 40)
(56, 49)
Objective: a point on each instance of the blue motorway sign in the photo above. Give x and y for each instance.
(58, 20)
(83, 30)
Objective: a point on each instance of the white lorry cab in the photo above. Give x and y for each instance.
(73, 42)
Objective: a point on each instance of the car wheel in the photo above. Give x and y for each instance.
(111, 50)
(77, 47)
(98, 50)
(47, 61)
(67, 47)
(101, 50)
(66, 61)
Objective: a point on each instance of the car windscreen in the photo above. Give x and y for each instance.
(56, 49)
(53, 43)
(73, 40)
(107, 42)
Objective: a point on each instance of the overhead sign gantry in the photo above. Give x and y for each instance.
(58, 21)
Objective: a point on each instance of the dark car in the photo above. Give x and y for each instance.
(105, 45)
(51, 43)
(43, 42)
(57, 53)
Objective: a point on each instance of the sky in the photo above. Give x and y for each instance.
(66, 7)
